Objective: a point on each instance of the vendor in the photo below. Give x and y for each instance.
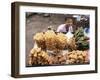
(69, 25)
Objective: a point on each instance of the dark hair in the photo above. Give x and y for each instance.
(74, 19)
(66, 18)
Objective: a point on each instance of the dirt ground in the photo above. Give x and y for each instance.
(39, 23)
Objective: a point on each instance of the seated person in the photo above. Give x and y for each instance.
(68, 26)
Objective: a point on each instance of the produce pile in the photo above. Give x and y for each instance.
(81, 40)
(51, 40)
(75, 57)
(76, 48)
(39, 57)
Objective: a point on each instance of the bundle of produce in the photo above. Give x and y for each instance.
(71, 44)
(75, 57)
(81, 40)
(50, 40)
(40, 40)
(61, 40)
(39, 57)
